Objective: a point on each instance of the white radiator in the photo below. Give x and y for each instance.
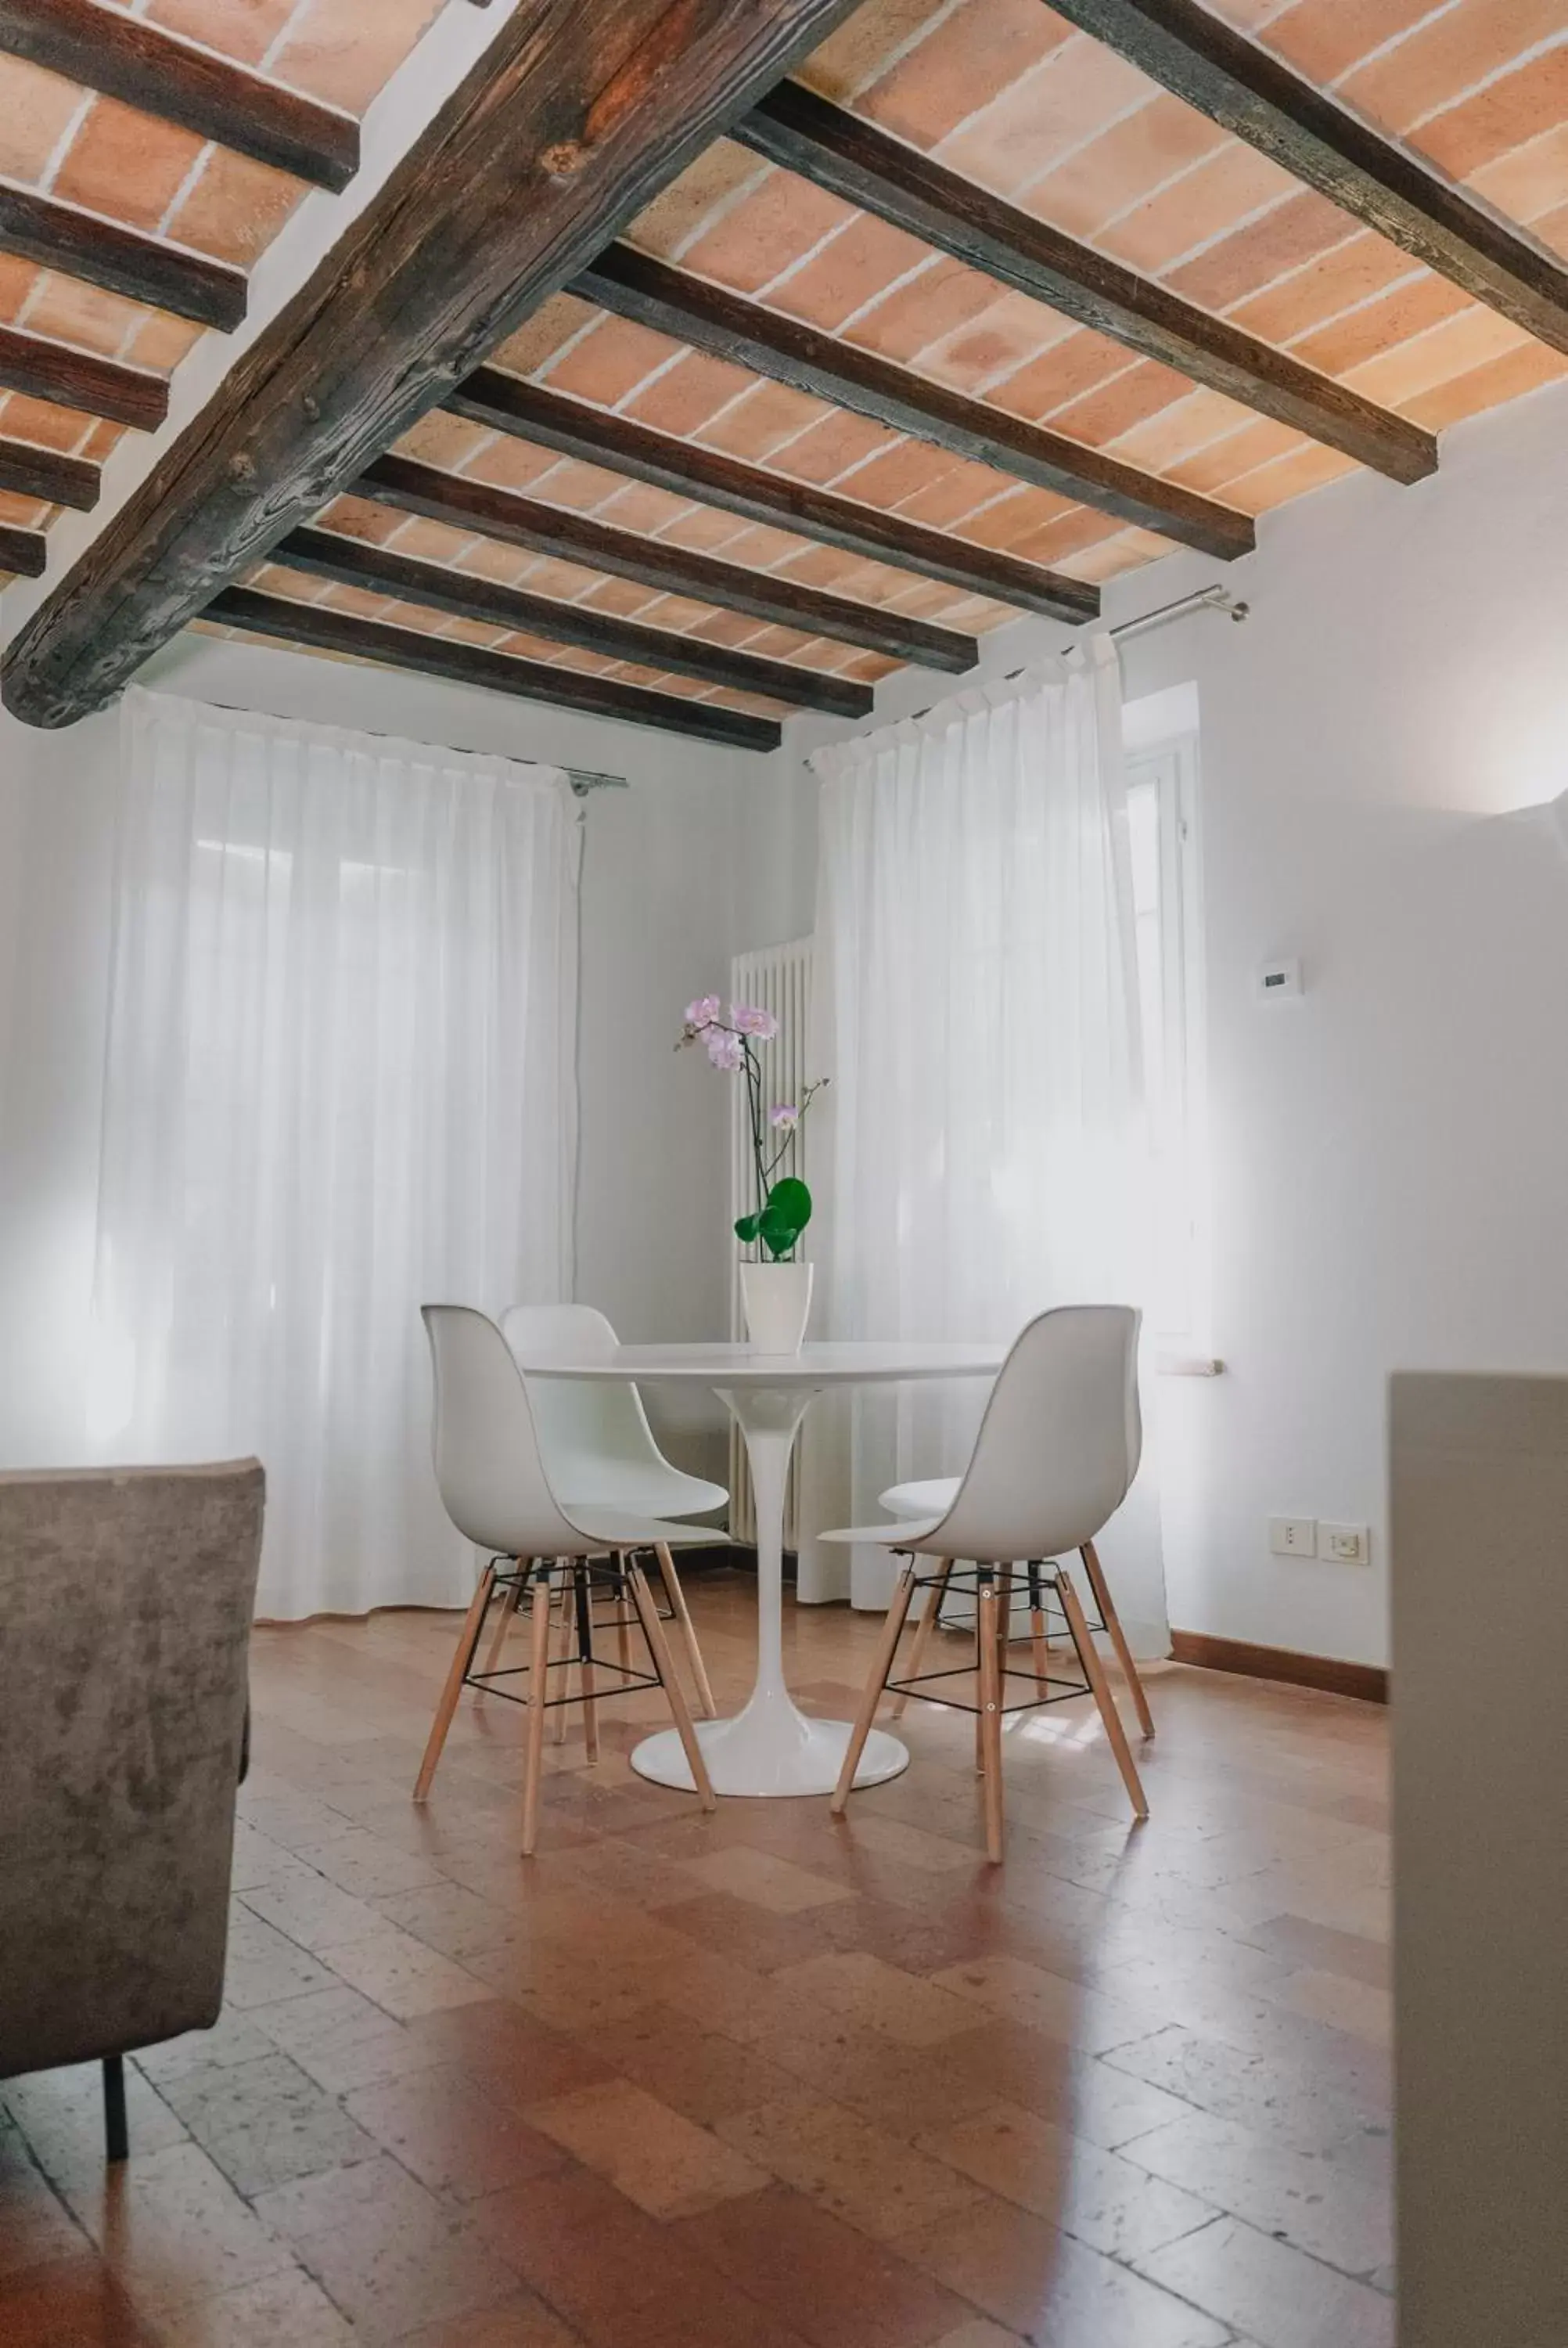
(777, 980)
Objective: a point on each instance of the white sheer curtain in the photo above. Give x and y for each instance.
(976, 965)
(339, 1082)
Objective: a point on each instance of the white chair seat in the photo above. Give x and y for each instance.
(640, 1491)
(620, 1528)
(931, 1497)
(899, 1536)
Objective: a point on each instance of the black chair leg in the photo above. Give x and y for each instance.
(116, 2138)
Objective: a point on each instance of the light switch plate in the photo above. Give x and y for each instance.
(1293, 1536)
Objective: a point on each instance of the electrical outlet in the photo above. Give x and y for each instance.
(1293, 1536)
(1345, 1544)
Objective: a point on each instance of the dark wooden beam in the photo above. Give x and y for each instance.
(690, 310)
(157, 73)
(1253, 94)
(459, 663)
(328, 554)
(147, 269)
(69, 378)
(600, 438)
(466, 504)
(808, 135)
(22, 550)
(577, 113)
(32, 472)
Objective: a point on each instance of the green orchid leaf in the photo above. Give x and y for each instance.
(747, 1228)
(790, 1200)
(784, 1217)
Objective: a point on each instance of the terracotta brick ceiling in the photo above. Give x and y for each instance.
(1003, 92)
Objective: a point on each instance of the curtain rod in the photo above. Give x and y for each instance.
(582, 779)
(1202, 599)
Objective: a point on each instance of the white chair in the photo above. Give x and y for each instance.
(933, 1496)
(598, 1452)
(1056, 1453)
(495, 1489)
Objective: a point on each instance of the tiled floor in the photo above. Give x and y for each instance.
(758, 2080)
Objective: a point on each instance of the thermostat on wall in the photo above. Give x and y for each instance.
(1280, 980)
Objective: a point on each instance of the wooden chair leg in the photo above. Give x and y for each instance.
(467, 1640)
(876, 1680)
(682, 1614)
(582, 1594)
(1039, 1640)
(508, 1607)
(935, 1594)
(1094, 1672)
(990, 1717)
(117, 2136)
(653, 1632)
(539, 1690)
(1112, 1621)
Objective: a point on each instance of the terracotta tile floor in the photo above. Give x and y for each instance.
(756, 2081)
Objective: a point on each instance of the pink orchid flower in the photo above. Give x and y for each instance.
(703, 1013)
(749, 1019)
(785, 1116)
(724, 1049)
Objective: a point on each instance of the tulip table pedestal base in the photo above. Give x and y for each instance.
(770, 1747)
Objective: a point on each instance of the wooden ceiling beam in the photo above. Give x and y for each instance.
(121, 260)
(466, 504)
(128, 58)
(1257, 97)
(689, 310)
(22, 551)
(576, 116)
(382, 571)
(597, 436)
(323, 630)
(69, 378)
(803, 133)
(29, 471)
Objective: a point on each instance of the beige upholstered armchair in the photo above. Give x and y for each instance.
(125, 1597)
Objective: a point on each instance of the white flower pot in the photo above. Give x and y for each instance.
(776, 1298)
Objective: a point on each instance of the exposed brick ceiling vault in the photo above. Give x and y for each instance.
(645, 467)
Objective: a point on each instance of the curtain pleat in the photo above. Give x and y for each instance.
(339, 1083)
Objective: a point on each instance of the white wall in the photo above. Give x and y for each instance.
(657, 909)
(1391, 1153)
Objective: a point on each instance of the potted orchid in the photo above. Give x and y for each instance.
(775, 1285)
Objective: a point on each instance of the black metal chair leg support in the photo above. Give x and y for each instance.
(585, 1661)
(115, 2136)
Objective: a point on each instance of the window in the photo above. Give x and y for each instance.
(1161, 807)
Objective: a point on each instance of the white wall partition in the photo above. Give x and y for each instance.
(339, 1081)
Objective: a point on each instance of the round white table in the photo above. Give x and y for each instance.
(769, 1746)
